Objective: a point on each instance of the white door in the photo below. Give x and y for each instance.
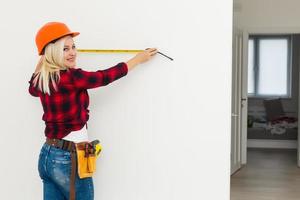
(236, 102)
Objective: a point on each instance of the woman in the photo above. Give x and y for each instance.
(62, 89)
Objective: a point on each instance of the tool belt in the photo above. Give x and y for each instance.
(85, 153)
(86, 159)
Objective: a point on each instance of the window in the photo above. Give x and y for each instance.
(269, 66)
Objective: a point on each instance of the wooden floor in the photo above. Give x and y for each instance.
(270, 174)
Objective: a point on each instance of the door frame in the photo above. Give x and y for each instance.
(246, 32)
(237, 56)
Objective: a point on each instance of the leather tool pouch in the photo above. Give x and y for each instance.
(86, 159)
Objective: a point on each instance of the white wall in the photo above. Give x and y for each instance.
(165, 127)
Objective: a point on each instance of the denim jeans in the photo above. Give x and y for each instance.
(55, 169)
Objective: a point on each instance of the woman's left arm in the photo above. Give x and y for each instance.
(32, 89)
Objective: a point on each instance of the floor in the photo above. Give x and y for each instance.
(270, 174)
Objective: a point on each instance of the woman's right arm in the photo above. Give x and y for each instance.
(88, 80)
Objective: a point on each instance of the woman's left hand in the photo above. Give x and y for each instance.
(39, 65)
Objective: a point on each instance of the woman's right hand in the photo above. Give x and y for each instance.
(146, 55)
(141, 57)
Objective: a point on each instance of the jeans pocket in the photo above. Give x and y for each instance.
(62, 159)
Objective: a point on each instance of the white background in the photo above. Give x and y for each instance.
(165, 127)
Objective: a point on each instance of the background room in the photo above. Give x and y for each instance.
(265, 111)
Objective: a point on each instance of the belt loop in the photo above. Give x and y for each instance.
(71, 146)
(64, 144)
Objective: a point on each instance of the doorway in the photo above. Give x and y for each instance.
(256, 138)
(272, 120)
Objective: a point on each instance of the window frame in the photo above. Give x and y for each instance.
(256, 38)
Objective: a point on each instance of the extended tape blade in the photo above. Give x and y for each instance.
(109, 50)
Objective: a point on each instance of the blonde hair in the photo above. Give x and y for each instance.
(50, 64)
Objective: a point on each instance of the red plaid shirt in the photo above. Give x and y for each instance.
(66, 109)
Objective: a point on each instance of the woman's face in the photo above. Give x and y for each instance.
(69, 53)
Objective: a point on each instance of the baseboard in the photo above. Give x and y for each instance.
(281, 144)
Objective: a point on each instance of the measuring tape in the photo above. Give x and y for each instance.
(109, 51)
(116, 51)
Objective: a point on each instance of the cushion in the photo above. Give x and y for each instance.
(274, 108)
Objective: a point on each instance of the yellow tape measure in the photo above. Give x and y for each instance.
(116, 51)
(109, 50)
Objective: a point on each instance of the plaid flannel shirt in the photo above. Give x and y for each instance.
(66, 109)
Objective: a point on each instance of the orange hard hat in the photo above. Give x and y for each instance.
(50, 32)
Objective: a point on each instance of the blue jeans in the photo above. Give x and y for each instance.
(55, 169)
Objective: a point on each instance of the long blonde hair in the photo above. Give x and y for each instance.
(50, 64)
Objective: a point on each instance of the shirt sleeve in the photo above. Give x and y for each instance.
(87, 80)
(33, 90)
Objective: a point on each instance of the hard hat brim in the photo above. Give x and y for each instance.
(73, 34)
